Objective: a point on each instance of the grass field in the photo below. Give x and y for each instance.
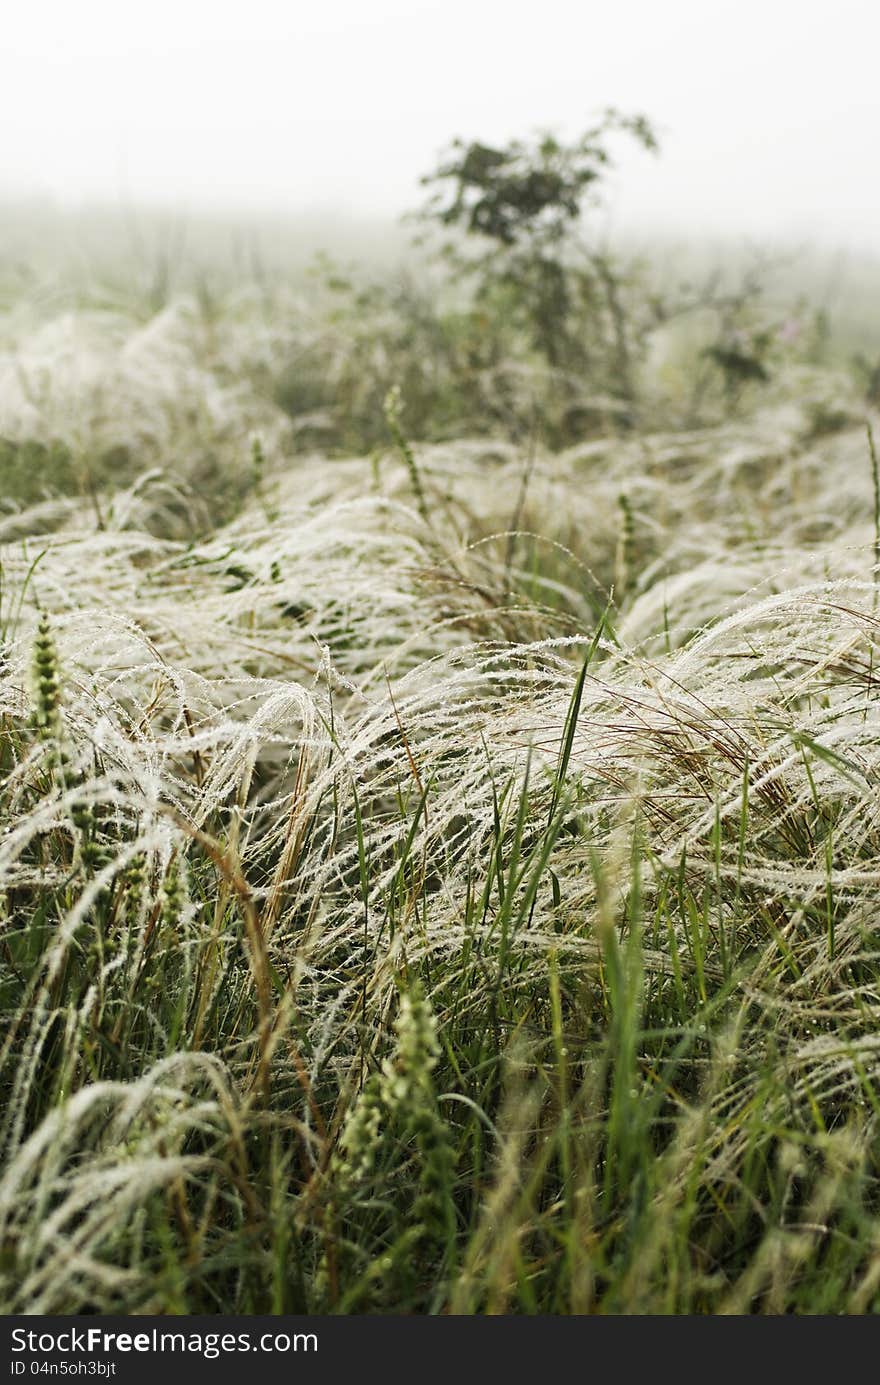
(443, 879)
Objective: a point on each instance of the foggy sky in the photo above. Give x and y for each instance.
(769, 113)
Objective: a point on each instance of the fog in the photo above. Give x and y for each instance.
(768, 112)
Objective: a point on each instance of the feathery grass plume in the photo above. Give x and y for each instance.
(311, 753)
(77, 1199)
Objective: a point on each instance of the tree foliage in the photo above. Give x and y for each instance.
(526, 193)
(516, 211)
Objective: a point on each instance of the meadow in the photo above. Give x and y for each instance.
(439, 799)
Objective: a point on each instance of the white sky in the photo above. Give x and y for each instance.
(769, 109)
